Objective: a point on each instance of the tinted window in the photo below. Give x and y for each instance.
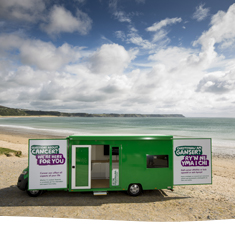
(115, 150)
(157, 161)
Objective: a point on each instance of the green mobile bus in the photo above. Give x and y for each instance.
(102, 163)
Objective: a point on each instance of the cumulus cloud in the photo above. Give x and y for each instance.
(61, 20)
(55, 89)
(42, 55)
(222, 29)
(111, 58)
(46, 56)
(160, 89)
(53, 21)
(206, 57)
(24, 10)
(171, 56)
(217, 82)
(42, 75)
(10, 42)
(201, 13)
(24, 77)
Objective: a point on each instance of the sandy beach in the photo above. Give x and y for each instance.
(185, 203)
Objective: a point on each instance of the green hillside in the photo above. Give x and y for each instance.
(5, 111)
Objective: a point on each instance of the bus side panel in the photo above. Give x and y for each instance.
(134, 164)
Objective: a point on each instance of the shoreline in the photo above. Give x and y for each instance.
(18, 139)
(28, 116)
(218, 150)
(30, 132)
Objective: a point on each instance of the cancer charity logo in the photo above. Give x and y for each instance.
(192, 156)
(47, 155)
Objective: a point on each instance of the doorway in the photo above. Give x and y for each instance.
(100, 162)
(95, 166)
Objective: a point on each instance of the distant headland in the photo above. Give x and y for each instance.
(5, 111)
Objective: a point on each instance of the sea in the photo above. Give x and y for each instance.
(220, 130)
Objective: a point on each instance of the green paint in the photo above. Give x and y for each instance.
(82, 166)
(132, 160)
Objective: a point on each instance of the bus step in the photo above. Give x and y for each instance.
(99, 193)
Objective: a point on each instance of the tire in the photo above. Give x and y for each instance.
(34, 193)
(134, 189)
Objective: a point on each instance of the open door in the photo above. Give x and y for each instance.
(115, 152)
(81, 167)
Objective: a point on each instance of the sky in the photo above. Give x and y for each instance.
(119, 56)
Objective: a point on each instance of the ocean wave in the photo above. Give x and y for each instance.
(39, 130)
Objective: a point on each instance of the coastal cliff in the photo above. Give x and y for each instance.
(5, 111)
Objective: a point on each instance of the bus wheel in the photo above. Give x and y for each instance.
(134, 189)
(34, 193)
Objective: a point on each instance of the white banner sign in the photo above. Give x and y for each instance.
(47, 164)
(192, 161)
(115, 177)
